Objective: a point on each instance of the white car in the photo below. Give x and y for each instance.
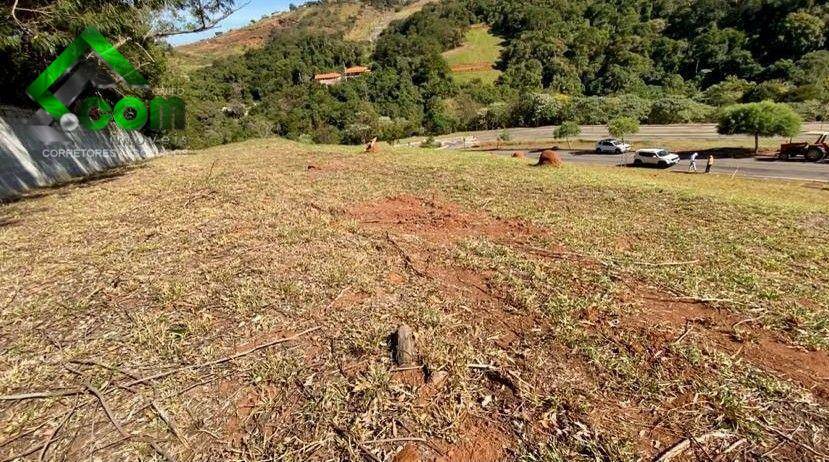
(658, 157)
(611, 145)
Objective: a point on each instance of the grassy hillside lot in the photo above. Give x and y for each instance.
(476, 56)
(237, 304)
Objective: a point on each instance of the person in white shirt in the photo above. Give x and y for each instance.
(693, 164)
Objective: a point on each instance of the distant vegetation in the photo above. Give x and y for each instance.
(588, 62)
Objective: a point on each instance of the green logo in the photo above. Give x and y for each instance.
(130, 113)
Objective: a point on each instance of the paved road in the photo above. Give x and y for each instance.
(750, 167)
(676, 131)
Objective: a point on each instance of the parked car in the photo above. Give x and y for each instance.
(611, 145)
(657, 157)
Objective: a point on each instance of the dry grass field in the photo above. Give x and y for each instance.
(239, 303)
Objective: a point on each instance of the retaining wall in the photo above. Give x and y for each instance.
(26, 163)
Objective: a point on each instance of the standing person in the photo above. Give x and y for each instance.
(709, 164)
(693, 164)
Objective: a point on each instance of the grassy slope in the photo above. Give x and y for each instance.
(480, 49)
(568, 282)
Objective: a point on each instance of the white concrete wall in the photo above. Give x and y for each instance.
(25, 163)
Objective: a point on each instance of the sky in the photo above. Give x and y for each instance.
(254, 10)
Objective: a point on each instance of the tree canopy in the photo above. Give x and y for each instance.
(34, 32)
(759, 119)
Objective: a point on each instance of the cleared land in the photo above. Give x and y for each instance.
(237, 304)
(369, 26)
(476, 57)
(356, 21)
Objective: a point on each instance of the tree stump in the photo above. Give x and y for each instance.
(404, 346)
(373, 146)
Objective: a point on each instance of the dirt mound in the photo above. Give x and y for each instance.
(550, 158)
(518, 155)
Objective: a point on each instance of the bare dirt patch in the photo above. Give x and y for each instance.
(472, 67)
(431, 219)
(483, 442)
(737, 336)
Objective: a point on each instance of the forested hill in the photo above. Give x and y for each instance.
(585, 61)
(356, 20)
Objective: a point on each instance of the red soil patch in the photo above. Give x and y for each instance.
(476, 443)
(430, 219)
(441, 224)
(762, 349)
(244, 400)
(409, 453)
(482, 443)
(472, 67)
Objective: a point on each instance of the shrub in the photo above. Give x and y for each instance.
(545, 109)
(586, 110)
(729, 91)
(673, 109)
(627, 105)
(770, 90)
(811, 110)
(430, 143)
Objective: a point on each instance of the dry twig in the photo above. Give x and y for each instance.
(683, 445)
(220, 360)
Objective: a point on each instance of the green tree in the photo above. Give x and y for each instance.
(34, 32)
(759, 119)
(729, 91)
(524, 76)
(567, 130)
(803, 32)
(623, 126)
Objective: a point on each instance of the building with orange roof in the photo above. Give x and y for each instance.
(355, 71)
(330, 78)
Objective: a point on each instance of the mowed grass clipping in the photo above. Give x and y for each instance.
(579, 313)
(475, 58)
